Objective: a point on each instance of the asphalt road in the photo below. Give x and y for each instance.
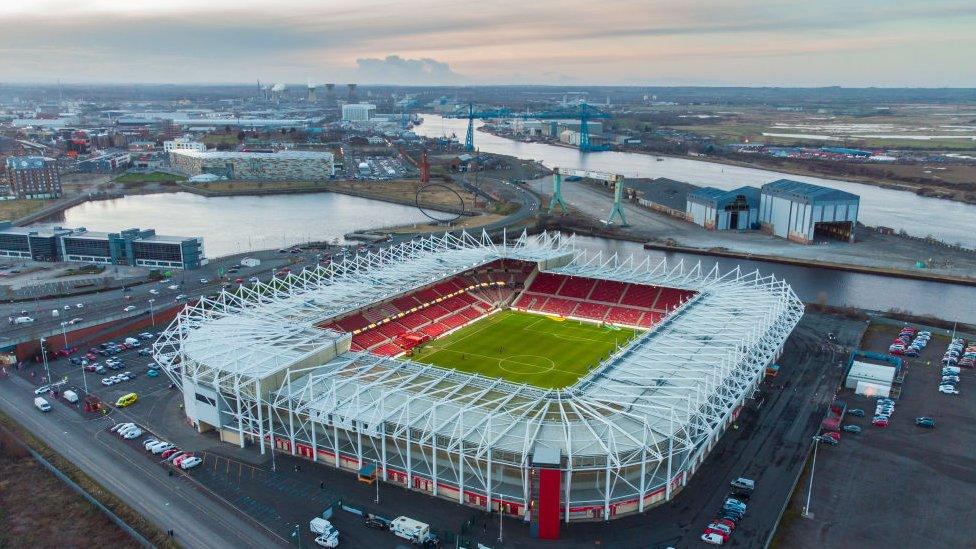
(111, 302)
(169, 502)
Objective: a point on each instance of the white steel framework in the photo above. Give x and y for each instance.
(630, 432)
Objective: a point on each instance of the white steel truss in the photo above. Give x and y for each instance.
(644, 417)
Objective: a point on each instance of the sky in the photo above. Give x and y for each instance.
(922, 43)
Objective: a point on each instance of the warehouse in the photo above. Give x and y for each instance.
(256, 166)
(723, 210)
(804, 213)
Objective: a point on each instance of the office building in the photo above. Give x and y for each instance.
(256, 166)
(138, 247)
(33, 177)
(40, 243)
(183, 144)
(357, 112)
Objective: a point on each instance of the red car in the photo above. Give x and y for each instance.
(833, 434)
(723, 535)
(91, 356)
(880, 422)
(170, 452)
(726, 522)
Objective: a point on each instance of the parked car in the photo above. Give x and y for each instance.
(190, 462)
(948, 390)
(712, 538)
(855, 412)
(131, 434)
(926, 422)
(852, 429)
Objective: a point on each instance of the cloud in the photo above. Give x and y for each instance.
(394, 69)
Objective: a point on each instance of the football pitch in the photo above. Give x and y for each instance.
(525, 348)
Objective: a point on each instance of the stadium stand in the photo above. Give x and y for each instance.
(465, 298)
(623, 303)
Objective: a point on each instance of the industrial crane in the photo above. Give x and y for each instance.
(471, 115)
(584, 112)
(616, 180)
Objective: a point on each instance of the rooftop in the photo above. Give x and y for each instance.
(280, 155)
(805, 192)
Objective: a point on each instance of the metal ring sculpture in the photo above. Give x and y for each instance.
(420, 207)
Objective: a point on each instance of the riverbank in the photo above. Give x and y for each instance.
(891, 178)
(915, 275)
(403, 192)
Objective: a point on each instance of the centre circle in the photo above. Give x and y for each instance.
(526, 364)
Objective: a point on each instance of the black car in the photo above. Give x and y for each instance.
(372, 521)
(75, 360)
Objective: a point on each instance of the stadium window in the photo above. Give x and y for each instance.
(206, 400)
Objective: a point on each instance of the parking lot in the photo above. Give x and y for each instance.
(902, 485)
(768, 444)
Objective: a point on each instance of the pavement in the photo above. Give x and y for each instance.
(169, 502)
(902, 486)
(871, 249)
(112, 302)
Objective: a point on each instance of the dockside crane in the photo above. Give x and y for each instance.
(617, 180)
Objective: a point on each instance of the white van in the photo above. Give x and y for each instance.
(23, 320)
(132, 342)
(42, 404)
(70, 396)
(410, 529)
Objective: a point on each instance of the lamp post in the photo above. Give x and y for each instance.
(813, 466)
(376, 481)
(152, 316)
(47, 371)
(297, 534)
(64, 333)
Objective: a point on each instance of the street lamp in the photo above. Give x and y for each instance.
(64, 332)
(152, 316)
(813, 466)
(296, 533)
(44, 357)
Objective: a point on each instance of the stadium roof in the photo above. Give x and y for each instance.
(798, 191)
(665, 392)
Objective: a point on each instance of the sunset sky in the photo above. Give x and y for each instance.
(647, 42)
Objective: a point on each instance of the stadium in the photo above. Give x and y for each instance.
(527, 375)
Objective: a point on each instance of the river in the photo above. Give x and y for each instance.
(917, 215)
(235, 224)
(839, 288)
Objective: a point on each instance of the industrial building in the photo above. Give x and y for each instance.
(256, 166)
(106, 163)
(143, 248)
(872, 374)
(33, 177)
(357, 112)
(803, 212)
(720, 210)
(305, 365)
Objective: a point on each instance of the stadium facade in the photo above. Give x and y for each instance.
(314, 365)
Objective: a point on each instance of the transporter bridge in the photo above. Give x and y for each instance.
(617, 180)
(583, 112)
(471, 114)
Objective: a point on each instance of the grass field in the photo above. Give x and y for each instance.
(525, 348)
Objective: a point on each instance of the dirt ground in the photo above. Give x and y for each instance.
(15, 209)
(40, 511)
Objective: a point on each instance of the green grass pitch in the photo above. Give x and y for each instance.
(525, 348)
